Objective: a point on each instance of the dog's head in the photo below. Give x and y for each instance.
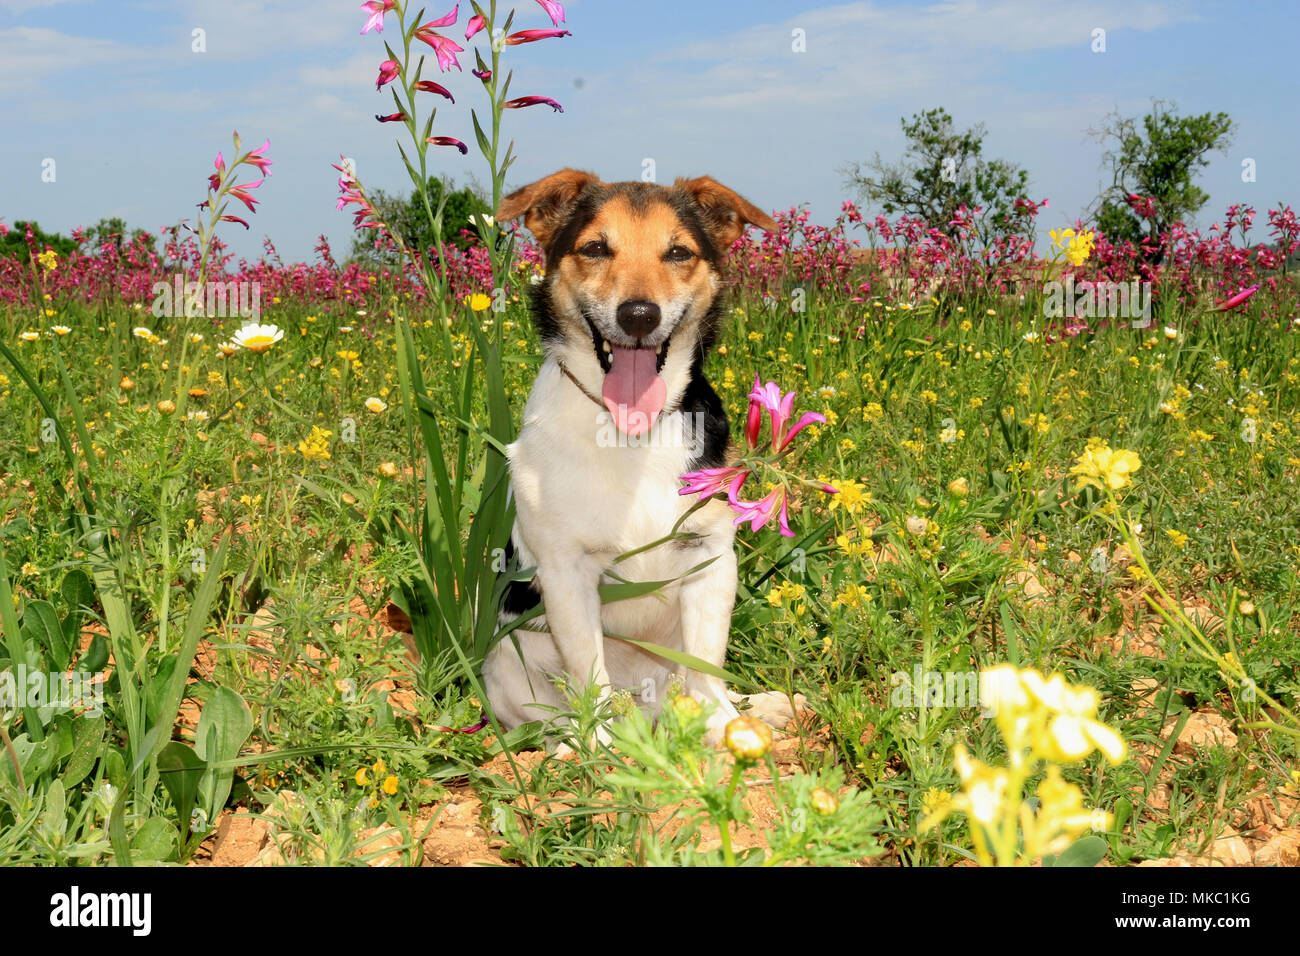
(632, 280)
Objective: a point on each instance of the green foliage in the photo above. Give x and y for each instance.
(1156, 156)
(14, 243)
(942, 169)
(409, 220)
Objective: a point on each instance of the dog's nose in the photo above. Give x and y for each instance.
(638, 318)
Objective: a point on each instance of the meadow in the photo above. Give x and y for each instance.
(1046, 617)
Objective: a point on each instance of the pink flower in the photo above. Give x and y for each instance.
(376, 9)
(428, 86)
(446, 20)
(779, 407)
(760, 513)
(553, 10)
(529, 36)
(388, 71)
(709, 481)
(391, 118)
(234, 219)
(239, 193)
(476, 23)
(449, 141)
(483, 75)
(255, 158)
(1241, 297)
(444, 48)
(523, 101)
(754, 422)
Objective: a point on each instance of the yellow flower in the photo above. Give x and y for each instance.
(361, 778)
(317, 446)
(376, 405)
(787, 591)
(30, 336)
(49, 260)
(60, 330)
(478, 302)
(748, 738)
(390, 785)
(126, 384)
(1102, 467)
(959, 488)
(388, 469)
(1177, 537)
(1061, 817)
(852, 496)
(1072, 731)
(346, 355)
(166, 406)
(854, 595)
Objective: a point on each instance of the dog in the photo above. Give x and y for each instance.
(628, 309)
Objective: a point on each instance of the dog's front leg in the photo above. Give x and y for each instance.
(569, 583)
(707, 598)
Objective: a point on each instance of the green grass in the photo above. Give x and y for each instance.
(855, 599)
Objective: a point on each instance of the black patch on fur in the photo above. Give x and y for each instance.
(520, 596)
(700, 399)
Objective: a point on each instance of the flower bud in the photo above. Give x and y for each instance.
(748, 738)
(823, 801)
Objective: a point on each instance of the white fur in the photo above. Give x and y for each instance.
(579, 505)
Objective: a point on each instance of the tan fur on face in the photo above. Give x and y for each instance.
(636, 269)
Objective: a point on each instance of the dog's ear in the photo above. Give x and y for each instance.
(545, 204)
(724, 211)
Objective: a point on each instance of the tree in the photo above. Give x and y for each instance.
(14, 243)
(943, 169)
(409, 220)
(1155, 158)
(112, 231)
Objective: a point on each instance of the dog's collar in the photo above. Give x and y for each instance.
(582, 388)
(596, 401)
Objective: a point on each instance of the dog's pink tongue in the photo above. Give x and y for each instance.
(633, 391)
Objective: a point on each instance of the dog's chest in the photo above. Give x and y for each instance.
(579, 481)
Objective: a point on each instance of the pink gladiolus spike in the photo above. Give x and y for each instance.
(710, 481)
(754, 421)
(391, 118)
(445, 20)
(553, 10)
(219, 163)
(444, 48)
(523, 101)
(449, 141)
(529, 36)
(759, 513)
(255, 158)
(247, 200)
(809, 418)
(389, 70)
(428, 86)
(376, 9)
(476, 23)
(1238, 299)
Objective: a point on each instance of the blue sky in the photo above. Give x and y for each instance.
(132, 117)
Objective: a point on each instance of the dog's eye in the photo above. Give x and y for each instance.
(679, 254)
(596, 249)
